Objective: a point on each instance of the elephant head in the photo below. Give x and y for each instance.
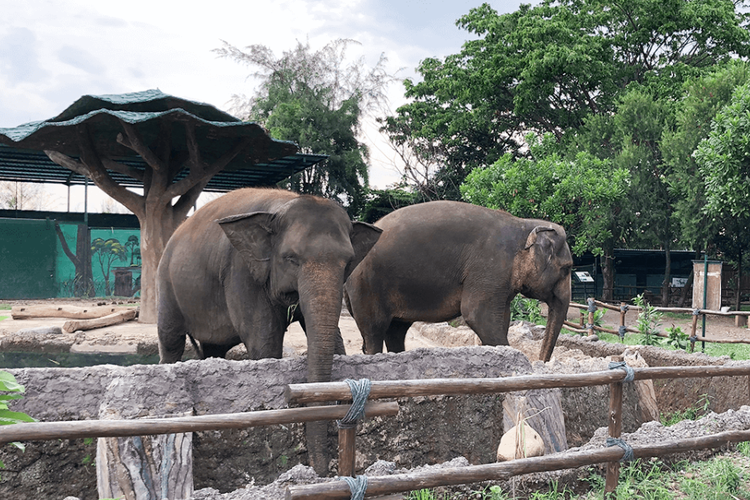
(543, 273)
(302, 254)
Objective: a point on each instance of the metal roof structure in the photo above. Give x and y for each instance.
(27, 165)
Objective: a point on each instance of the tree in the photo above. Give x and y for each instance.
(317, 99)
(581, 194)
(549, 67)
(723, 159)
(699, 229)
(23, 196)
(181, 145)
(106, 252)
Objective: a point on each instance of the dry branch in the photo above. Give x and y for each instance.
(505, 470)
(41, 431)
(90, 324)
(58, 311)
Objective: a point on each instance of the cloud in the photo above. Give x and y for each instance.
(81, 59)
(19, 61)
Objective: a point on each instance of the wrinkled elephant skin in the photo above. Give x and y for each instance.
(438, 260)
(234, 271)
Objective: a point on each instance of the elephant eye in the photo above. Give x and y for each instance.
(291, 259)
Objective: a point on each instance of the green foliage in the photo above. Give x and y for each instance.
(718, 479)
(723, 157)
(579, 194)
(648, 321)
(677, 338)
(699, 410)
(549, 67)
(8, 384)
(744, 448)
(380, 203)
(316, 99)
(524, 309)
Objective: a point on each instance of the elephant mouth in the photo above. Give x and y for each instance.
(289, 299)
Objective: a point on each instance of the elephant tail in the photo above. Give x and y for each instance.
(196, 347)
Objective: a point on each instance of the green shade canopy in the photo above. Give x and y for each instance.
(263, 161)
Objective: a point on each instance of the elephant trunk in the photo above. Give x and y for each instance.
(558, 311)
(320, 295)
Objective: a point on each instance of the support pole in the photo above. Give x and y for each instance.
(705, 293)
(347, 451)
(615, 430)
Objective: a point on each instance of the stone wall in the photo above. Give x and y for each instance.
(427, 430)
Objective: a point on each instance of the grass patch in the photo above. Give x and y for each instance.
(3, 317)
(5, 307)
(734, 351)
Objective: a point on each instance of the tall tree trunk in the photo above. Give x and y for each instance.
(83, 282)
(665, 285)
(608, 274)
(738, 286)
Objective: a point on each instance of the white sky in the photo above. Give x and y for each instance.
(54, 51)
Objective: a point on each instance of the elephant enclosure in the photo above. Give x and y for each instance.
(428, 430)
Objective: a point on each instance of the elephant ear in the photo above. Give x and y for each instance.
(531, 239)
(252, 235)
(364, 236)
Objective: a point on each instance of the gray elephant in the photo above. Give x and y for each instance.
(438, 260)
(234, 270)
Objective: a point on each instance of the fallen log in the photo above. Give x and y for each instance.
(60, 311)
(90, 324)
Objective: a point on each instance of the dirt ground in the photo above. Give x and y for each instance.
(126, 338)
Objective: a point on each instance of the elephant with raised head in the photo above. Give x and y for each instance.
(234, 270)
(438, 260)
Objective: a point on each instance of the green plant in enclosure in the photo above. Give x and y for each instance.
(677, 338)
(107, 251)
(700, 409)
(523, 309)
(648, 321)
(8, 384)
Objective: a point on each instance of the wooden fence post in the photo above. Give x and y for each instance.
(615, 430)
(347, 451)
(590, 325)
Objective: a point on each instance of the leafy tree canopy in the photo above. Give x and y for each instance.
(316, 99)
(724, 158)
(547, 68)
(581, 194)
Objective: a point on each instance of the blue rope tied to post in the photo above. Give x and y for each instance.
(622, 365)
(592, 305)
(357, 485)
(360, 391)
(624, 308)
(696, 312)
(628, 455)
(621, 331)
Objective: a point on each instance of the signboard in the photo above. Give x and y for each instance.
(584, 277)
(679, 282)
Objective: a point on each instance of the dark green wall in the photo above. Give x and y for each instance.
(27, 259)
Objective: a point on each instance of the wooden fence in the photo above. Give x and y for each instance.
(589, 328)
(377, 486)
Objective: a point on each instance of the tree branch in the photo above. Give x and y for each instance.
(123, 169)
(102, 179)
(135, 143)
(73, 257)
(66, 161)
(200, 172)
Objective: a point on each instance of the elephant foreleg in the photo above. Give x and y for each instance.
(489, 316)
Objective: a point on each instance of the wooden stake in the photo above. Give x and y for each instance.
(347, 451)
(615, 431)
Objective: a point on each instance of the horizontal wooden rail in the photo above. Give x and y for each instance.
(41, 431)
(686, 310)
(505, 470)
(339, 391)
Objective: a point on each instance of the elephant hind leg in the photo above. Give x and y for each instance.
(171, 344)
(395, 336)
